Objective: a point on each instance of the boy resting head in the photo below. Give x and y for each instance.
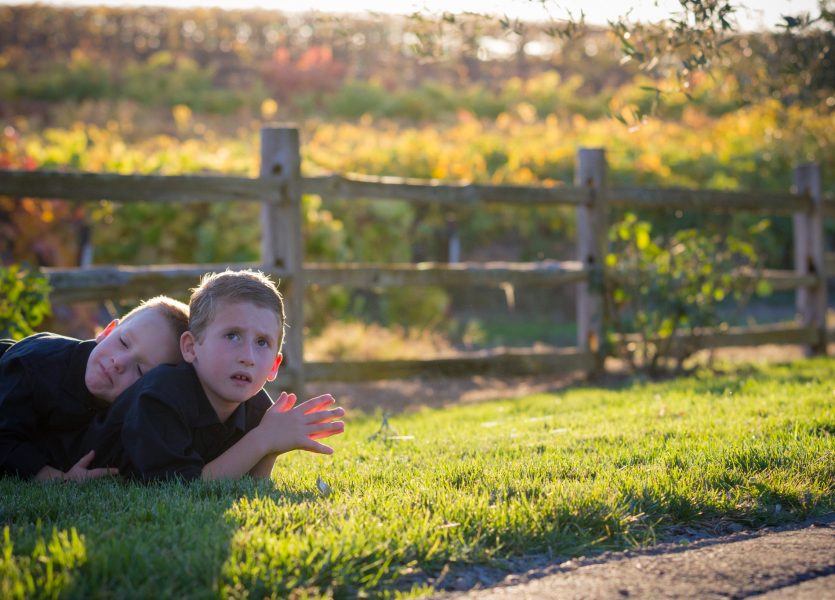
(52, 387)
(126, 349)
(211, 418)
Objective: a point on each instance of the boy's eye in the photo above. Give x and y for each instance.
(124, 343)
(232, 336)
(139, 370)
(264, 343)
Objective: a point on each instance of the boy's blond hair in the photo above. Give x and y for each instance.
(233, 286)
(173, 311)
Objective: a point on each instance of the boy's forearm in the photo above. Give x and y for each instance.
(264, 468)
(238, 460)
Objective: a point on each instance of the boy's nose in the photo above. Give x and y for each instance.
(246, 355)
(118, 363)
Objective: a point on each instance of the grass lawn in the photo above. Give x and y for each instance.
(570, 473)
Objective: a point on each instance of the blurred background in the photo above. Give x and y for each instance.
(435, 95)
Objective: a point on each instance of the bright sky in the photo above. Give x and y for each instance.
(753, 14)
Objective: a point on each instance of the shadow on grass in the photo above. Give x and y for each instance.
(161, 540)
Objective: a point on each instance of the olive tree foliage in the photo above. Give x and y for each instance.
(794, 61)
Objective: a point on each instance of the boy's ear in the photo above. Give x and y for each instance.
(106, 331)
(274, 371)
(187, 342)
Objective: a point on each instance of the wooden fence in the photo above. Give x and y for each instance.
(279, 190)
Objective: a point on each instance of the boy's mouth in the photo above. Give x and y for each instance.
(242, 377)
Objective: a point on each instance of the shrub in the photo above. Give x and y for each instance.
(24, 300)
(658, 289)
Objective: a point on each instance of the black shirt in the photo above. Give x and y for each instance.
(45, 405)
(164, 426)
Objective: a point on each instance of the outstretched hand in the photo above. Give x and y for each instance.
(292, 427)
(81, 471)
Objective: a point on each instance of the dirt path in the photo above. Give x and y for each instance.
(795, 562)
(397, 396)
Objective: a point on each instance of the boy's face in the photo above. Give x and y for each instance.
(125, 351)
(236, 355)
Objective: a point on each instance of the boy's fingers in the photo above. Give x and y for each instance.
(323, 416)
(327, 430)
(317, 403)
(103, 472)
(318, 448)
(285, 402)
(281, 400)
(85, 460)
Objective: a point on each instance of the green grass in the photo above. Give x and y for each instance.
(570, 473)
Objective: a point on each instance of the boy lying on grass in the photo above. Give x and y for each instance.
(210, 418)
(52, 387)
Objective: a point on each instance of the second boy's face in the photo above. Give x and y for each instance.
(236, 354)
(129, 350)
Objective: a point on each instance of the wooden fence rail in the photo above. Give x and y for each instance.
(279, 189)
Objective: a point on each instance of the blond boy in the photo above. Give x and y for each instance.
(52, 387)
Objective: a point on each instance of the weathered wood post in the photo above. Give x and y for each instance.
(281, 241)
(809, 255)
(592, 246)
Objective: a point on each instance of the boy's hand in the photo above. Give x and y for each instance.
(80, 472)
(290, 427)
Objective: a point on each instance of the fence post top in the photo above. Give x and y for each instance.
(279, 127)
(808, 165)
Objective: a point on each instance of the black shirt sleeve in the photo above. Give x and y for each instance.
(157, 438)
(18, 420)
(256, 406)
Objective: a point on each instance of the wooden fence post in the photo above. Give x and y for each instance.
(592, 246)
(281, 241)
(809, 255)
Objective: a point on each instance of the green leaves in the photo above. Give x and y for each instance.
(24, 300)
(657, 288)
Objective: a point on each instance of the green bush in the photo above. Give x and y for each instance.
(355, 99)
(24, 300)
(419, 308)
(657, 289)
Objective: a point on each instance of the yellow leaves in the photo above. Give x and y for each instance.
(642, 239)
(517, 147)
(526, 112)
(578, 122)
(504, 121)
(269, 109)
(182, 117)
(652, 163)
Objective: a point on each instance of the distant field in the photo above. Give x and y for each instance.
(570, 473)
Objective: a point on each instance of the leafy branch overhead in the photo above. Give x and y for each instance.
(792, 62)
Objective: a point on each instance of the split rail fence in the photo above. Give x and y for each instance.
(279, 189)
